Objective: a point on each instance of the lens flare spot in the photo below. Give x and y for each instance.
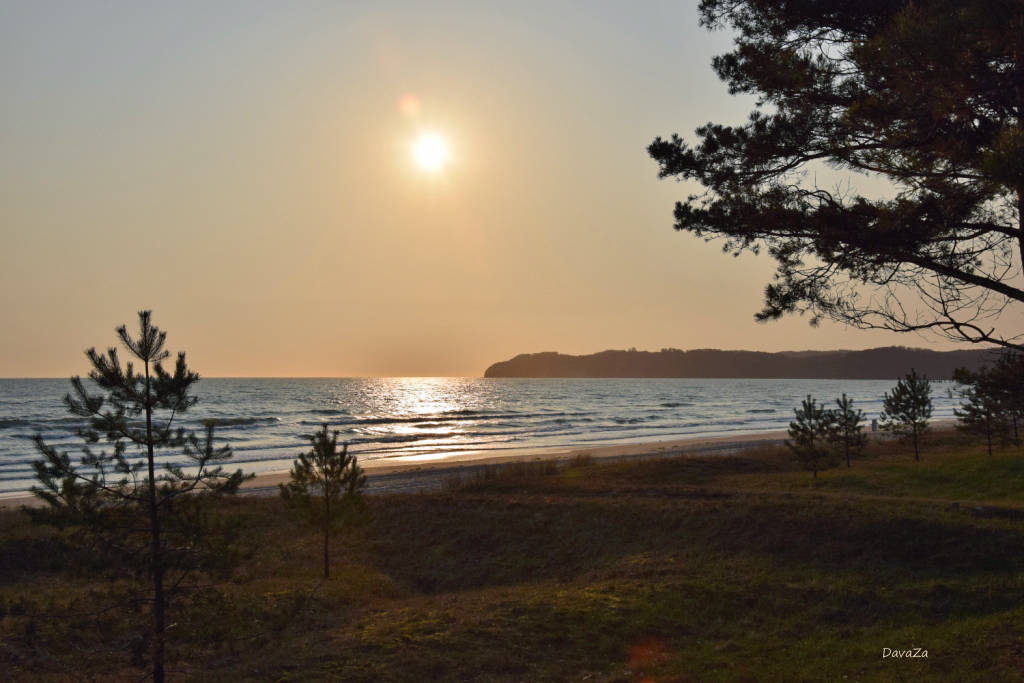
(410, 105)
(646, 653)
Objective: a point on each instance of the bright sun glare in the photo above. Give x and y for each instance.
(431, 152)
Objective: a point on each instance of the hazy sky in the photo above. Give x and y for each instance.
(246, 170)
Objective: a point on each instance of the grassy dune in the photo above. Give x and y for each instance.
(689, 569)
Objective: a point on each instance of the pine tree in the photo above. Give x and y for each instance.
(907, 411)
(152, 524)
(922, 96)
(845, 428)
(807, 435)
(982, 413)
(1007, 378)
(326, 487)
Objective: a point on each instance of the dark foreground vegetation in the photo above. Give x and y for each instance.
(679, 569)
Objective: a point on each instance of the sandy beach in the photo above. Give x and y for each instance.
(411, 474)
(415, 473)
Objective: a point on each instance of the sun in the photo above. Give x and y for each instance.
(430, 152)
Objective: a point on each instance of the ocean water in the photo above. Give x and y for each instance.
(430, 418)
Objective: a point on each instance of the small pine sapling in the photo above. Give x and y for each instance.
(906, 412)
(981, 413)
(845, 428)
(807, 435)
(326, 487)
(1008, 380)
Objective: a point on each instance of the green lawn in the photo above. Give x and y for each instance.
(952, 471)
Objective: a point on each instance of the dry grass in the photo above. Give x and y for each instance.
(687, 569)
(512, 474)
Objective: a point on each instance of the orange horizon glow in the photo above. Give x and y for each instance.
(358, 190)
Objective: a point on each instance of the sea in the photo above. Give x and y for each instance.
(419, 419)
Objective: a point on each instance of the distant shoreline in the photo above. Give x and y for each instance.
(887, 363)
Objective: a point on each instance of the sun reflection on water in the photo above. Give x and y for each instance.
(417, 396)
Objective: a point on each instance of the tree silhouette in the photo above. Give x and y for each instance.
(1007, 383)
(980, 414)
(326, 487)
(151, 523)
(845, 428)
(807, 434)
(925, 96)
(906, 412)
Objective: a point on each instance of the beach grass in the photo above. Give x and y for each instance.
(723, 568)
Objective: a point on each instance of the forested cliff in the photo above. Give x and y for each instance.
(882, 363)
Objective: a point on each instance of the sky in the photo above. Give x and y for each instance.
(248, 171)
